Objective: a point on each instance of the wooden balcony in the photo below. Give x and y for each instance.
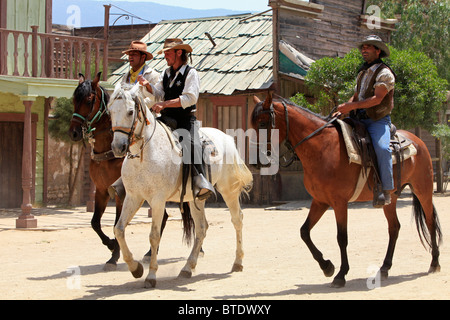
(43, 55)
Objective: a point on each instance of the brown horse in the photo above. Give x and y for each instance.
(331, 181)
(91, 121)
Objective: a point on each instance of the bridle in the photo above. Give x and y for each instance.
(290, 148)
(139, 110)
(91, 119)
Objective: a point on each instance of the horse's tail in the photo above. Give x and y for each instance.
(422, 229)
(242, 175)
(188, 224)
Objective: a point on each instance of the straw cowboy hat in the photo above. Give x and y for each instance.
(377, 42)
(170, 44)
(141, 47)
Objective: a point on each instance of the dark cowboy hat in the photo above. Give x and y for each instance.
(376, 42)
(141, 47)
(170, 44)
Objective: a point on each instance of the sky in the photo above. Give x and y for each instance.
(240, 5)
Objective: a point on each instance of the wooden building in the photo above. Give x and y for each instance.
(35, 66)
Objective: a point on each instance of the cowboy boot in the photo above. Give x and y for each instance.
(117, 188)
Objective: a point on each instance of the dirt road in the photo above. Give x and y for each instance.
(64, 258)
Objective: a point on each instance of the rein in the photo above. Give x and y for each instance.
(290, 148)
(287, 143)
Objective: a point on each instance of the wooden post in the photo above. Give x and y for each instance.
(106, 43)
(34, 52)
(26, 219)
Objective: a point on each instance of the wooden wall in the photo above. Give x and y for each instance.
(334, 33)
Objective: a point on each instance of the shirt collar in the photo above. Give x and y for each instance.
(182, 70)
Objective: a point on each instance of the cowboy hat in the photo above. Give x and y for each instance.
(376, 42)
(141, 47)
(170, 44)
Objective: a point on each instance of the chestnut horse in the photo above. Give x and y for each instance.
(91, 121)
(331, 180)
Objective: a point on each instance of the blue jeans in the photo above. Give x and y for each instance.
(380, 134)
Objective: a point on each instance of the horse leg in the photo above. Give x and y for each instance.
(201, 226)
(155, 238)
(130, 207)
(394, 227)
(233, 204)
(148, 255)
(342, 238)
(101, 200)
(315, 213)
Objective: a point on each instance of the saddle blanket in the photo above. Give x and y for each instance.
(208, 146)
(354, 157)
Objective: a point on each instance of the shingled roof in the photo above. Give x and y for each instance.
(241, 60)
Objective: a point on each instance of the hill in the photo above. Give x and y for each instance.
(88, 13)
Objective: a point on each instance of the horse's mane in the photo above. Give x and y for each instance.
(259, 107)
(292, 104)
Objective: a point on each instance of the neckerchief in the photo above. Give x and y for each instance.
(135, 74)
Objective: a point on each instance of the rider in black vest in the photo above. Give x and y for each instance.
(178, 91)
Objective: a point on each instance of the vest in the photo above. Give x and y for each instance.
(179, 114)
(387, 104)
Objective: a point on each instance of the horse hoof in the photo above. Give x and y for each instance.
(150, 283)
(328, 271)
(237, 268)
(138, 272)
(110, 267)
(434, 269)
(338, 283)
(185, 274)
(384, 274)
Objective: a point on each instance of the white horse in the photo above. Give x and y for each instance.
(154, 174)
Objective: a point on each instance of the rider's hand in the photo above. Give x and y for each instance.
(158, 107)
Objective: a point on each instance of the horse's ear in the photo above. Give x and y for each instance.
(268, 101)
(81, 78)
(256, 100)
(96, 80)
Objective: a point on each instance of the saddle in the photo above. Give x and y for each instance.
(208, 148)
(360, 150)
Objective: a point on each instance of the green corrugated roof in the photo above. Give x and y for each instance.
(241, 60)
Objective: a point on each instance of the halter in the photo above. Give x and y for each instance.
(87, 124)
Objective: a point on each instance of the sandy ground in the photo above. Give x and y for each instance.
(64, 258)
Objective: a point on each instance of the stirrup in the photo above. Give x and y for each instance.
(200, 183)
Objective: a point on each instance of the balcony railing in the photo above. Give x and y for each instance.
(34, 54)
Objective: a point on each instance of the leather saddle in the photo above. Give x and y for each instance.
(401, 147)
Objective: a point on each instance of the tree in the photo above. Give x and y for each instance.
(58, 129)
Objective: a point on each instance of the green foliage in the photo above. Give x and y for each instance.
(332, 81)
(419, 91)
(59, 126)
(442, 132)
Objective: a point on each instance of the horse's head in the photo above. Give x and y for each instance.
(89, 100)
(263, 121)
(124, 113)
